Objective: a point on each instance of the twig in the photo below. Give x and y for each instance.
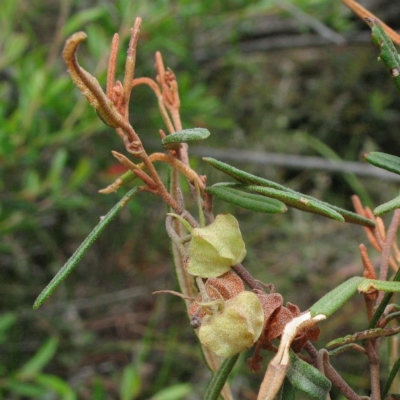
(385, 259)
(372, 352)
(336, 379)
(245, 275)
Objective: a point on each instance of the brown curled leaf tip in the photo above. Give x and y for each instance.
(88, 84)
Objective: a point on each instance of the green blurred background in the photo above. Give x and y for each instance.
(295, 78)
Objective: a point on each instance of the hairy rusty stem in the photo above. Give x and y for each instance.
(372, 352)
(386, 251)
(245, 275)
(335, 378)
(130, 66)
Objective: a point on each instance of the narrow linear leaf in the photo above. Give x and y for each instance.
(243, 176)
(385, 286)
(341, 349)
(219, 378)
(297, 200)
(174, 140)
(390, 380)
(76, 257)
(308, 379)
(352, 217)
(383, 160)
(248, 201)
(368, 334)
(41, 358)
(388, 206)
(250, 179)
(388, 53)
(335, 299)
(385, 301)
(287, 391)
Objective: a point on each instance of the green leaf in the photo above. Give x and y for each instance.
(385, 286)
(179, 391)
(308, 379)
(287, 391)
(250, 179)
(174, 140)
(385, 301)
(385, 161)
(335, 299)
(39, 360)
(219, 378)
(388, 206)
(243, 176)
(248, 201)
(131, 383)
(76, 257)
(295, 200)
(388, 53)
(368, 334)
(352, 217)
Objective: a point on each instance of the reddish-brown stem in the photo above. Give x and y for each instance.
(336, 379)
(112, 62)
(369, 271)
(130, 65)
(134, 168)
(372, 353)
(246, 277)
(387, 246)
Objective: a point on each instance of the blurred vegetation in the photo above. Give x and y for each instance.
(103, 335)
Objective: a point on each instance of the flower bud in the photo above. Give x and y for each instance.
(214, 249)
(237, 326)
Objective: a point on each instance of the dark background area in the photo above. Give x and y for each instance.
(296, 79)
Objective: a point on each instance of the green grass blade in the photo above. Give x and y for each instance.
(39, 360)
(248, 201)
(76, 257)
(385, 161)
(388, 53)
(220, 377)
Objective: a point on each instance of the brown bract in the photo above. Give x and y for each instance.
(276, 318)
